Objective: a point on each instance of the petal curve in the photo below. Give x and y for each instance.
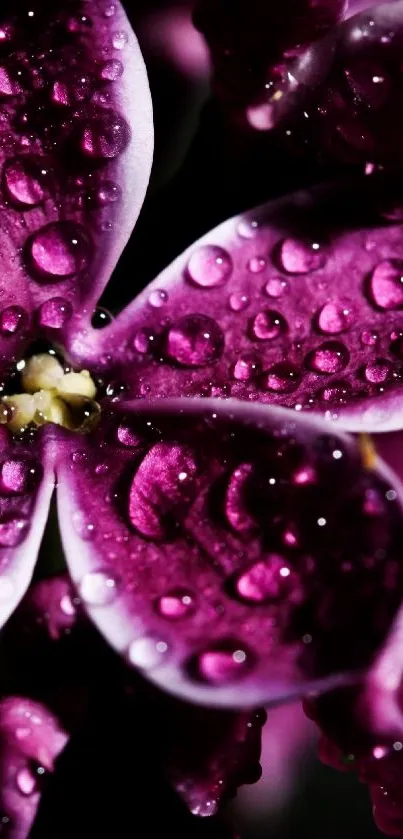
(185, 529)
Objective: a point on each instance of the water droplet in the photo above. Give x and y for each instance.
(266, 580)
(101, 318)
(85, 529)
(195, 341)
(143, 340)
(281, 378)
(13, 530)
(386, 284)
(276, 287)
(147, 652)
(26, 180)
(98, 588)
(54, 313)
(158, 298)
(248, 228)
(60, 249)
(127, 436)
(26, 781)
(334, 317)
(297, 257)
(111, 70)
(12, 320)
(107, 192)
(17, 476)
(244, 368)
(236, 510)
(257, 264)
(377, 371)
(369, 338)
(223, 663)
(330, 357)
(8, 87)
(119, 40)
(268, 325)
(335, 392)
(238, 302)
(209, 266)
(110, 10)
(178, 603)
(104, 136)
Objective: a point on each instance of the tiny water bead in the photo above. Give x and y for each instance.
(268, 325)
(224, 663)
(330, 357)
(176, 604)
(194, 341)
(276, 287)
(55, 313)
(378, 371)
(386, 284)
(296, 257)
(58, 251)
(104, 136)
(281, 378)
(26, 180)
(147, 653)
(209, 267)
(238, 302)
(264, 581)
(244, 368)
(335, 317)
(13, 530)
(111, 70)
(98, 588)
(257, 264)
(158, 298)
(12, 320)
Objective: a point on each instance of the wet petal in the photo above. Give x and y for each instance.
(30, 740)
(299, 303)
(26, 486)
(76, 145)
(205, 541)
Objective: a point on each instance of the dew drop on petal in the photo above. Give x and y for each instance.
(60, 249)
(13, 530)
(26, 781)
(336, 391)
(209, 266)
(25, 181)
(98, 588)
(176, 604)
(244, 368)
(54, 313)
(378, 371)
(386, 284)
(127, 436)
(248, 229)
(281, 378)
(119, 40)
(297, 257)
(223, 663)
(104, 136)
(334, 318)
(17, 475)
(369, 338)
(276, 287)
(264, 581)
(268, 325)
(238, 302)
(12, 320)
(236, 510)
(143, 340)
(158, 298)
(101, 318)
(257, 264)
(194, 341)
(330, 357)
(147, 653)
(111, 70)
(85, 529)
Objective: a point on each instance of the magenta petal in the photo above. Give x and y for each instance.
(30, 741)
(294, 304)
(26, 486)
(211, 604)
(76, 146)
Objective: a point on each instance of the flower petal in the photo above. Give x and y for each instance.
(26, 487)
(298, 303)
(212, 543)
(76, 128)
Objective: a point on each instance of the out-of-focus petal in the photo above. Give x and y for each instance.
(206, 542)
(76, 146)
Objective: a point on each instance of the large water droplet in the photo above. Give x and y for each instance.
(98, 588)
(377, 371)
(268, 325)
(147, 652)
(209, 266)
(386, 284)
(54, 313)
(223, 663)
(13, 530)
(17, 476)
(297, 257)
(12, 320)
(281, 378)
(330, 357)
(195, 341)
(176, 604)
(104, 136)
(26, 180)
(334, 317)
(60, 249)
(127, 436)
(264, 581)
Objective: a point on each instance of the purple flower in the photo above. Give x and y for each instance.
(232, 547)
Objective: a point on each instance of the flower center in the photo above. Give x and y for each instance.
(50, 394)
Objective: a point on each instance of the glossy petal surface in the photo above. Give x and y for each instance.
(76, 146)
(298, 303)
(206, 544)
